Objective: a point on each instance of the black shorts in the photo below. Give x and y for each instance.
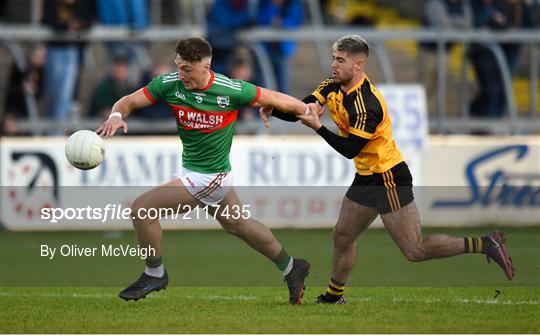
(387, 192)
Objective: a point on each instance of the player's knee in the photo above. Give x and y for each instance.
(414, 254)
(137, 208)
(232, 226)
(342, 240)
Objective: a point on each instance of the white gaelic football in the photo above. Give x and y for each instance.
(85, 150)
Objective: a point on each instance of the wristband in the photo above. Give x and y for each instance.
(115, 114)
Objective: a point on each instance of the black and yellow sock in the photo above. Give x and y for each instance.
(334, 291)
(476, 245)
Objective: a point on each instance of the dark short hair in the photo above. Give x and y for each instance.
(193, 49)
(352, 44)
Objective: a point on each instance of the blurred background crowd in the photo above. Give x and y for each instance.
(61, 80)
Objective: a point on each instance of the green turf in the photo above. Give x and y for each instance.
(263, 310)
(218, 285)
(213, 258)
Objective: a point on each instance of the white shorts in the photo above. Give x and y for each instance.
(207, 188)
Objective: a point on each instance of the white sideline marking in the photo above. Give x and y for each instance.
(74, 295)
(394, 299)
(428, 301)
(65, 295)
(226, 297)
(495, 301)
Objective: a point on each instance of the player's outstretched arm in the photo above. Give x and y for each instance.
(120, 110)
(347, 146)
(267, 111)
(282, 102)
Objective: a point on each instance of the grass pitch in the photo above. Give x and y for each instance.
(218, 285)
(263, 310)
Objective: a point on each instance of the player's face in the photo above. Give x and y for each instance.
(192, 74)
(345, 65)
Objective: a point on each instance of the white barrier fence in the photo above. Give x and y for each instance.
(285, 181)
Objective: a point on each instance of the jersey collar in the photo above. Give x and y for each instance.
(210, 82)
(357, 85)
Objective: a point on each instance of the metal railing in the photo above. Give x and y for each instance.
(321, 35)
(490, 40)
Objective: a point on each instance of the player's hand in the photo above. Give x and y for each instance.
(109, 127)
(311, 120)
(265, 112)
(316, 108)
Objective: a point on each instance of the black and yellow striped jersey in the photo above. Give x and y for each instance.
(362, 111)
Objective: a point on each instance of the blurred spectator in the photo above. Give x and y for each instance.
(159, 110)
(326, 11)
(280, 14)
(63, 59)
(356, 13)
(28, 81)
(225, 19)
(440, 15)
(110, 89)
(241, 67)
(128, 13)
(520, 14)
(447, 14)
(490, 102)
(132, 14)
(9, 126)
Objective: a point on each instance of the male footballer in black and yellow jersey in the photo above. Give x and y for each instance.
(383, 183)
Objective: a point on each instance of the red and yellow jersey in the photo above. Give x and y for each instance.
(362, 111)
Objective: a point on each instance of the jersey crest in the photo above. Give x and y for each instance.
(223, 101)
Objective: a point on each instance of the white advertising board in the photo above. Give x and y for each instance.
(466, 180)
